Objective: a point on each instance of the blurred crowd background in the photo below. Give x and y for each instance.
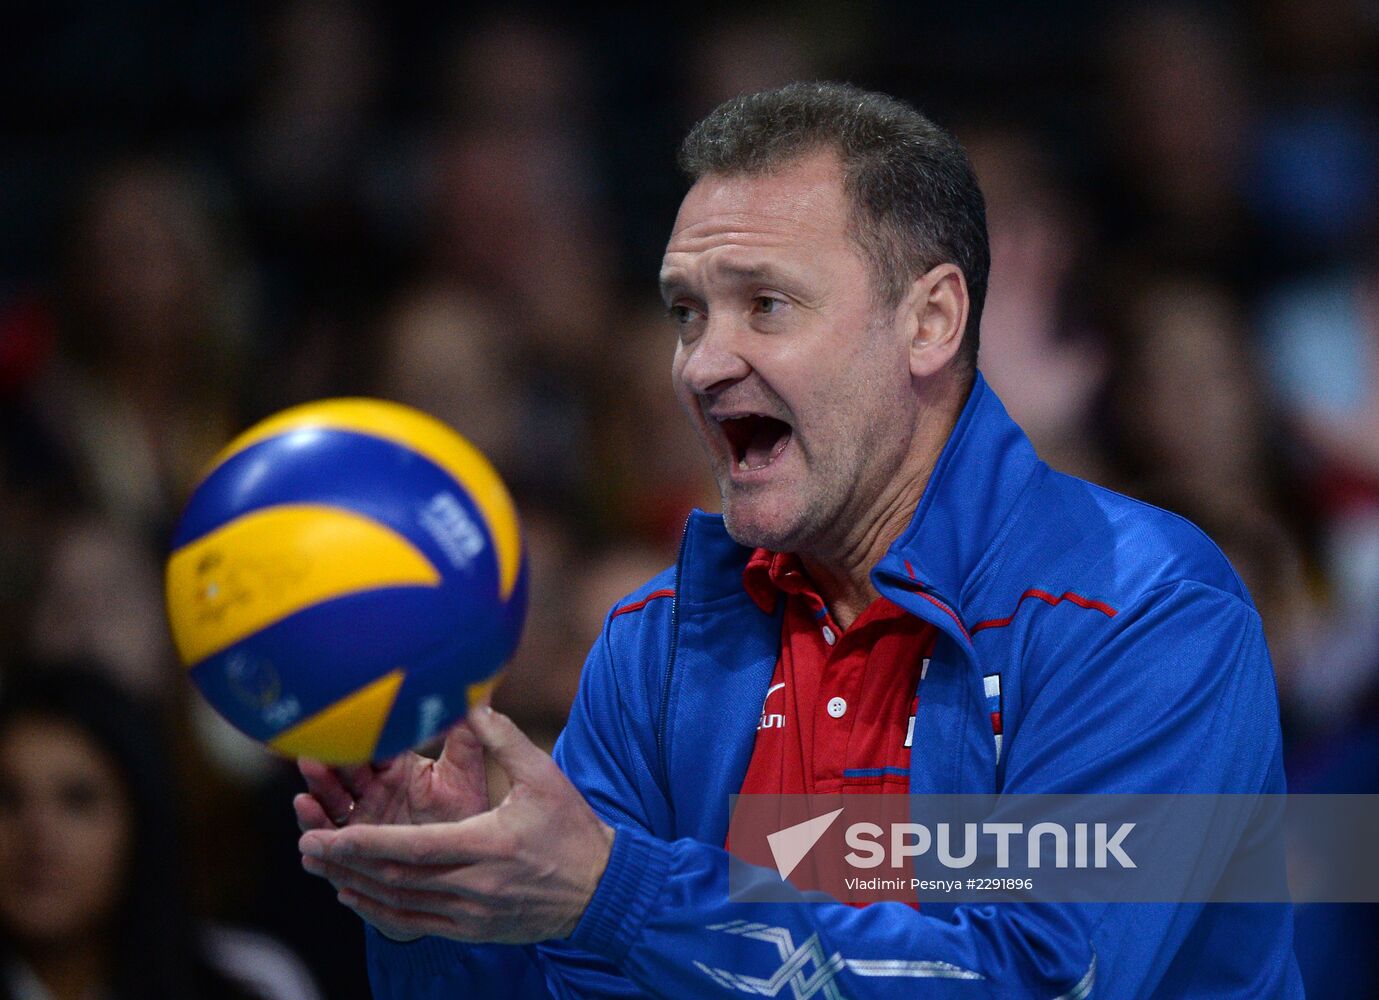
(211, 211)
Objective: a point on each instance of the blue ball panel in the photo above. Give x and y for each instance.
(294, 668)
(434, 693)
(370, 476)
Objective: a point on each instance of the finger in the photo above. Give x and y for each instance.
(325, 784)
(399, 924)
(473, 881)
(522, 759)
(462, 748)
(356, 778)
(387, 892)
(317, 867)
(461, 843)
(311, 815)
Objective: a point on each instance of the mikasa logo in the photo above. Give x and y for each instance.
(430, 716)
(453, 529)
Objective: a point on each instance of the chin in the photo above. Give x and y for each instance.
(752, 527)
(43, 928)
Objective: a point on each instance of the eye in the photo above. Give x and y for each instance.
(767, 305)
(681, 314)
(80, 797)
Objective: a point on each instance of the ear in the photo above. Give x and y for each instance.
(937, 310)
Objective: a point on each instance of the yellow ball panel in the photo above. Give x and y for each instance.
(346, 732)
(261, 567)
(477, 694)
(423, 434)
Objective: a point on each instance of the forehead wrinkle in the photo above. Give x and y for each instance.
(801, 202)
(737, 226)
(715, 267)
(797, 223)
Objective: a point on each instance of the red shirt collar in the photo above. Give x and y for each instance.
(769, 574)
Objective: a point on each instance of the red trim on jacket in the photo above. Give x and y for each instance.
(638, 605)
(1049, 599)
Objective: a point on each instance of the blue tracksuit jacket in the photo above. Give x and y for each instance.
(1131, 660)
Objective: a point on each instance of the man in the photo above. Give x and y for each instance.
(880, 511)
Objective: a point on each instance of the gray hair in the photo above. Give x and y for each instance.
(915, 199)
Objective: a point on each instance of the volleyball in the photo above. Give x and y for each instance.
(347, 580)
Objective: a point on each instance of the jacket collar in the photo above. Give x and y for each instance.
(976, 484)
(984, 467)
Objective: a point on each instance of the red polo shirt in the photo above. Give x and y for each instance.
(838, 715)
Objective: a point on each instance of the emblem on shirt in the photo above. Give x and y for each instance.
(991, 685)
(808, 971)
(771, 720)
(914, 706)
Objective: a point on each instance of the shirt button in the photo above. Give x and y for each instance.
(829, 637)
(836, 707)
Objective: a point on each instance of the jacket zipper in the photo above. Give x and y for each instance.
(663, 720)
(936, 599)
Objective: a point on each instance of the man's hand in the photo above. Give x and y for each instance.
(407, 790)
(521, 872)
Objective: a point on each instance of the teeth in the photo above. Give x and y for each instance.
(742, 464)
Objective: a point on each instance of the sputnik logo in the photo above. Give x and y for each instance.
(789, 846)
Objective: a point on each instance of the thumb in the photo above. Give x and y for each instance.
(462, 749)
(522, 759)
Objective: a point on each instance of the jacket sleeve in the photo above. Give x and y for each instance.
(1177, 697)
(1140, 706)
(607, 760)
(1139, 709)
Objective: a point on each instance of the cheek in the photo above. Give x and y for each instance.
(97, 851)
(9, 849)
(863, 399)
(683, 394)
(69, 885)
(106, 841)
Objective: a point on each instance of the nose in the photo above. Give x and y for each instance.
(713, 361)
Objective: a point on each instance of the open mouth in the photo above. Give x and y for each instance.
(756, 439)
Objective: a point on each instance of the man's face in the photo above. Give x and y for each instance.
(798, 385)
